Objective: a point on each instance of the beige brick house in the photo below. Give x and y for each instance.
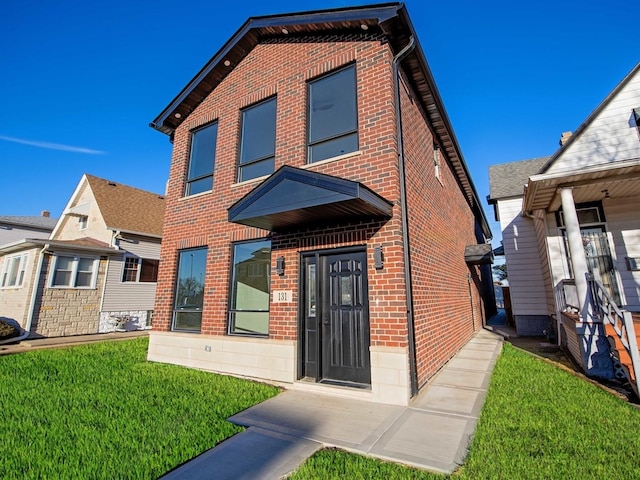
(318, 211)
(95, 273)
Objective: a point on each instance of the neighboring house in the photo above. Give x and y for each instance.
(13, 228)
(319, 210)
(95, 273)
(571, 229)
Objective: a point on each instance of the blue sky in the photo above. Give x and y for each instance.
(81, 80)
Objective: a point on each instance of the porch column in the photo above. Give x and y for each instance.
(578, 257)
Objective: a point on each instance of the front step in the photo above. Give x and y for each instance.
(620, 352)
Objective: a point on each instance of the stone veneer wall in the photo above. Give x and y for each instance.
(68, 311)
(129, 320)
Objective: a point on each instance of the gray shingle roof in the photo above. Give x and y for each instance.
(508, 179)
(42, 223)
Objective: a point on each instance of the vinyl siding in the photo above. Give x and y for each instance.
(526, 281)
(610, 138)
(624, 225)
(543, 252)
(119, 296)
(12, 233)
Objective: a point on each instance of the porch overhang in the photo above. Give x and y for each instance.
(292, 198)
(589, 184)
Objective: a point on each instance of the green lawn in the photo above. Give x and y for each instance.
(539, 422)
(101, 411)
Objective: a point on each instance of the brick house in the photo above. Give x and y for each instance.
(94, 273)
(318, 211)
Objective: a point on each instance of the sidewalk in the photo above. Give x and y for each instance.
(58, 342)
(432, 433)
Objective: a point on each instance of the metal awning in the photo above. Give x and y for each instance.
(291, 198)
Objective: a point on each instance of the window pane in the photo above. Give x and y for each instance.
(250, 322)
(199, 186)
(249, 310)
(258, 131)
(14, 265)
(189, 293)
(258, 169)
(62, 273)
(333, 107)
(149, 271)
(187, 320)
(333, 148)
(130, 272)
(61, 278)
(203, 151)
(83, 279)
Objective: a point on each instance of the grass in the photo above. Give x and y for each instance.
(102, 411)
(538, 422)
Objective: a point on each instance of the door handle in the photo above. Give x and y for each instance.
(325, 319)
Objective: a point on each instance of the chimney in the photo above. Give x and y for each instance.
(45, 213)
(565, 138)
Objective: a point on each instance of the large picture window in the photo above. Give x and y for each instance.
(333, 115)
(143, 270)
(250, 281)
(13, 269)
(189, 294)
(202, 159)
(257, 147)
(74, 272)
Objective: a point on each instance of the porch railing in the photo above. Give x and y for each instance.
(567, 296)
(621, 321)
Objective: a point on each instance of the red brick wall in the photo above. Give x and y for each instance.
(441, 224)
(202, 220)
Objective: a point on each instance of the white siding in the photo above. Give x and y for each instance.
(526, 281)
(120, 296)
(611, 137)
(540, 226)
(13, 233)
(624, 224)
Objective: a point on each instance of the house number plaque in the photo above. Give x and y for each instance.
(282, 296)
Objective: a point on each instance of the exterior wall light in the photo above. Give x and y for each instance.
(378, 260)
(280, 265)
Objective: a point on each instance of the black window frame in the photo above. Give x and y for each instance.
(232, 290)
(192, 179)
(342, 135)
(175, 308)
(244, 136)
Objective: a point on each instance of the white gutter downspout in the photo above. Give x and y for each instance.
(32, 303)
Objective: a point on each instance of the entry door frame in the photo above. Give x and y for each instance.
(314, 257)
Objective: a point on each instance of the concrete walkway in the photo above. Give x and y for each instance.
(432, 433)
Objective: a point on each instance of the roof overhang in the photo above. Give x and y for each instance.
(53, 245)
(616, 180)
(391, 19)
(292, 198)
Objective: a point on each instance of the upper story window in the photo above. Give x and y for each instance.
(74, 272)
(333, 115)
(202, 159)
(82, 222)
(140, 270)
(258, 144)
(13, 269)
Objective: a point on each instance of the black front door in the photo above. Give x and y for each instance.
(336, 317)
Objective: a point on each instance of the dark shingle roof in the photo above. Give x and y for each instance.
(39, 222)
(508, 179)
